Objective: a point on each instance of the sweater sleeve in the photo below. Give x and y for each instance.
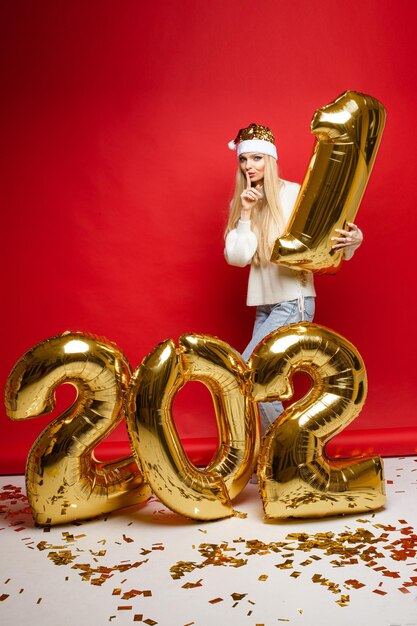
(241, 244)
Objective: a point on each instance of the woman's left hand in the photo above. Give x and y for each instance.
(351, 238)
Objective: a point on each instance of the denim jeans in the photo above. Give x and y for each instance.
(270, 317)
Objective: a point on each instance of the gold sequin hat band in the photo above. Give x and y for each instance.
(254, 138)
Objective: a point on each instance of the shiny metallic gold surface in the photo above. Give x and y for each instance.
(64, 481)
(348, 133)
(255, 131)
(296, 479)
(201, 494)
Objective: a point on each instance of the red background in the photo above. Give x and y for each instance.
(116, 177)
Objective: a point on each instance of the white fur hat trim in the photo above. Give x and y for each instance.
(255, 145)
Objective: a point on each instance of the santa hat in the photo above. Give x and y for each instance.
(254, 138)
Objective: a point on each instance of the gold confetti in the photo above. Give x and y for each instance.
(263, 577)
(4, 597)
(192, 585)
(238, 596)
(216, 600)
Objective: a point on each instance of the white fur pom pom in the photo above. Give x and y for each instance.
(232, 145)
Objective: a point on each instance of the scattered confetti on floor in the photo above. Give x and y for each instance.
(146, 564)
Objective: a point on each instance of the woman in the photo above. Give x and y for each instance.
(260, 209)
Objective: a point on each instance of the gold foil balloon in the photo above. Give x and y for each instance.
(348, 133)
(296, 479)
(201, 494)
(64, 481)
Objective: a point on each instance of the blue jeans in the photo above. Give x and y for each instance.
(270, 317)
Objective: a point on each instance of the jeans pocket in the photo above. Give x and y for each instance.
(309, 308)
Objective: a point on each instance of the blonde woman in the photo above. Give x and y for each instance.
(259, 211)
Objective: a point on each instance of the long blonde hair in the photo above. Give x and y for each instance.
(267, 216)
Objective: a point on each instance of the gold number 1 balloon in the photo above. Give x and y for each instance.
(64, 481)
(348, 133)
(296, 479)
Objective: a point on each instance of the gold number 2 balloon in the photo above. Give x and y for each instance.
(348, 133)
(202, 494)
(64, 481)
(296, 479)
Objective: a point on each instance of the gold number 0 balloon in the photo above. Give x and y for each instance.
(296, 479)
(199, 494)
(64, 481)
(348, 133)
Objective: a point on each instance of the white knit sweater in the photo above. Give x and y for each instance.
(270, 283)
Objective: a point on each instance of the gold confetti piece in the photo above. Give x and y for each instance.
(151, 622)
(111, 618)
(354, 583)
(238, 596)
(116, 591)
(344, 600)
(263, 577)
(4, 597)
(128, 595)
(239, 514)
(63, 557)
(391, 574)
(249, 613)
(286, 565)
(250, 602)
(283, 619)
(216, 600)
(301, 611)
(202, 531)
(295, 574)
(125, 607)
(147, 593)
(39, 601)
(137, 617)
(403, 590)
(192, 585)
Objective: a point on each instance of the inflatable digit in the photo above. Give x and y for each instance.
(296, 478)
(348, 133)
(64, 481)
(205, 493)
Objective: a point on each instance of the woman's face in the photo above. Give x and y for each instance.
(253, 165)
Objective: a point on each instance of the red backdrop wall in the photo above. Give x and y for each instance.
(116, 177)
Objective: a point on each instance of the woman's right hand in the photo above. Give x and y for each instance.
(249, 197)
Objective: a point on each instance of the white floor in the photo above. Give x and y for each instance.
(40, 584)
